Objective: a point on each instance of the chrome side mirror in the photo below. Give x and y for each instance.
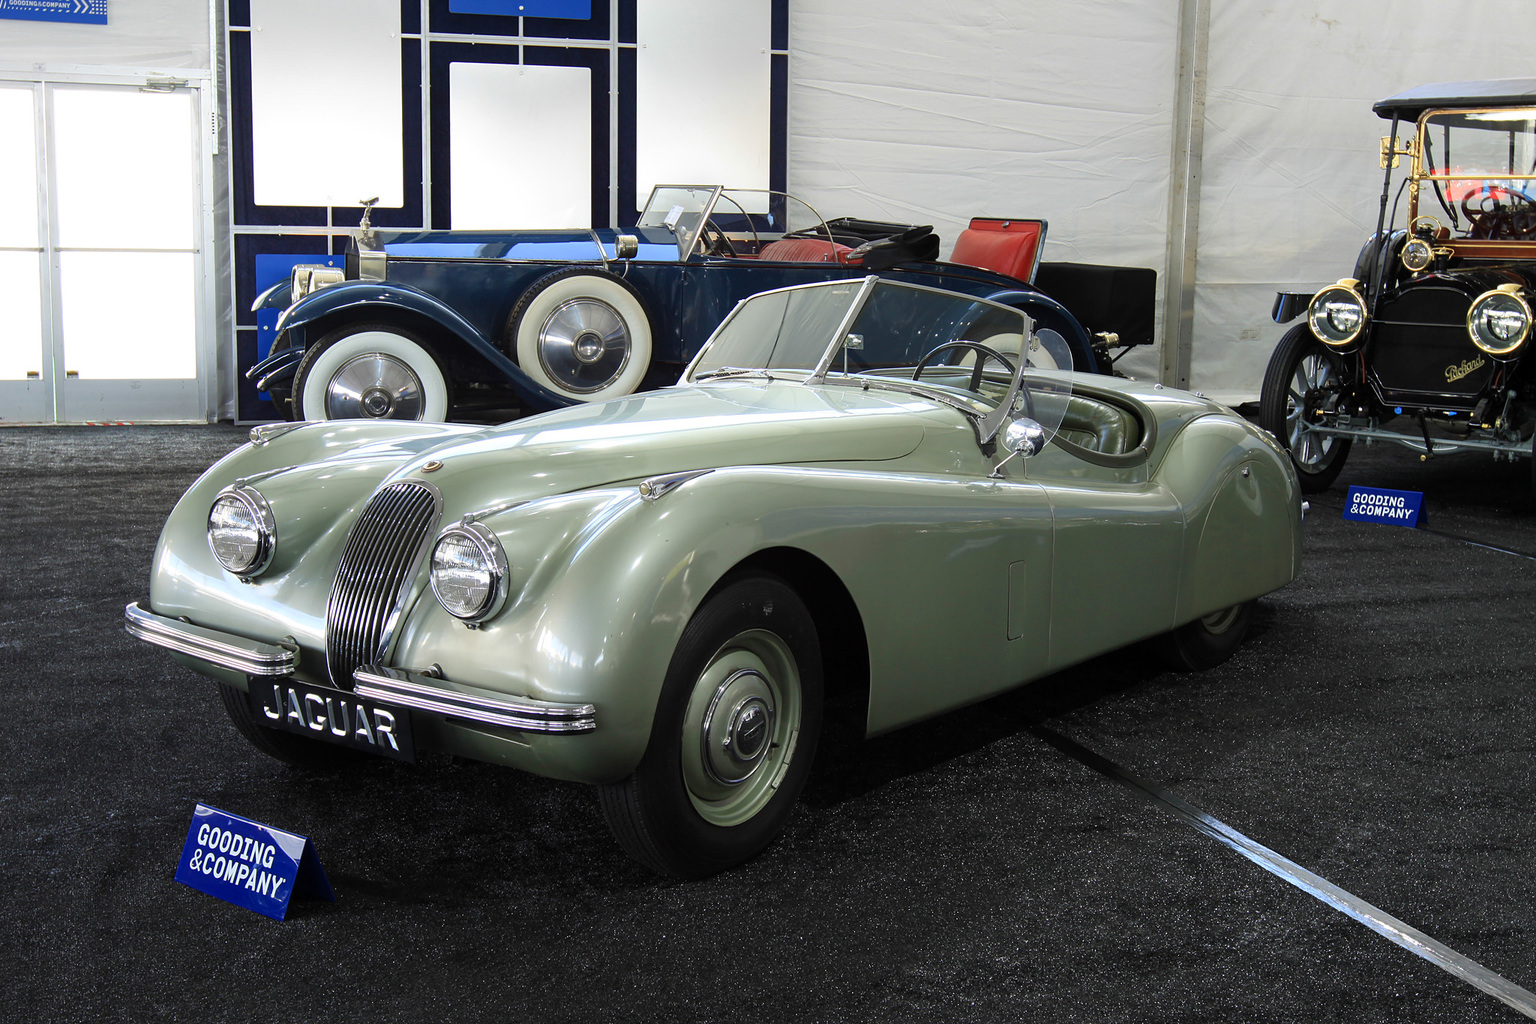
(626, 247)
(1023, 438)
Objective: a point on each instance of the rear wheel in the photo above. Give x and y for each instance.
(733, 738)
(1302, 376)
(285, 746)
(1208, 641)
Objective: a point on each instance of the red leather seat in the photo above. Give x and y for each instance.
(805, 250)
(1009, 247)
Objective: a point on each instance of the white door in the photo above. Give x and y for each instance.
(101, 257)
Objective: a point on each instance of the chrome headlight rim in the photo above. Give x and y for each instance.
(261, 518)
(1477, 326)
(1321, 321)
(494, 560)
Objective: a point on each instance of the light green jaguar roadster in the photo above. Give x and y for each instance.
(865, 493)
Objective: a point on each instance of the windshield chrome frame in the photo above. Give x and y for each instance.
(988, 424)
(686, 243)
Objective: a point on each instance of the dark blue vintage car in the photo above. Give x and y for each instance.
(436, 325)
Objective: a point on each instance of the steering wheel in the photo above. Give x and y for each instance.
(983, 353)
(715, 241)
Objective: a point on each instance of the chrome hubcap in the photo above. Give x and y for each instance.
(374, 386)
(584, 345)
(737, 728)
(740, 728)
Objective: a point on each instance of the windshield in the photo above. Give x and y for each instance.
(957, 349)
(1477, 172)
(748, 218)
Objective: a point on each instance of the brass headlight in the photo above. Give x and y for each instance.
(1500, 320)
(1418, 255)
(1337, 314)
(469, 572)
(241, 531)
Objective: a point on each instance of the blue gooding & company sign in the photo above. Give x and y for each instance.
(249, 864)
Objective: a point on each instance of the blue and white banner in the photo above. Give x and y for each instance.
(249, 864)
(1381, 505)
(579, 9)
(90, 12)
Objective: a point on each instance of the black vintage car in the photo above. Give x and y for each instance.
(1425, 343)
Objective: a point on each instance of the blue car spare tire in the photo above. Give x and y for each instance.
(583, 334)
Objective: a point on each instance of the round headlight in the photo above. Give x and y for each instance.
(469, 572)
(1418, 254)
(1499, 321)
(241, 531)
(1337, 314)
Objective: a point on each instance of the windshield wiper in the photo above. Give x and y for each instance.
(734, 371)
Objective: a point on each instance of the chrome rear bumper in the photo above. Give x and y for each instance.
(225, 650)
(395, 686)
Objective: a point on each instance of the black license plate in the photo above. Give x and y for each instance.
(333, 716)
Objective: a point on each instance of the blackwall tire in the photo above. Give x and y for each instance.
(287, 747)
(370, 371)
(582, 334)
(1207, 641)
(733, 738)
(1299, 374)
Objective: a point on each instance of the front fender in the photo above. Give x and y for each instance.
(360, 300)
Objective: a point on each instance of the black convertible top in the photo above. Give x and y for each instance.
(1499, 92)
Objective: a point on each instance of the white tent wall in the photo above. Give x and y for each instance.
(1061, 109)
(1291, 186)
(934, 113)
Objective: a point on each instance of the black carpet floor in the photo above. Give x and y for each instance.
(1376, 729)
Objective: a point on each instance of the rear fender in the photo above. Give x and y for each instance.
(1242, 509)
(1049, 314)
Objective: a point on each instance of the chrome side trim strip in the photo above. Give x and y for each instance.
(425, 693)
(226, 650)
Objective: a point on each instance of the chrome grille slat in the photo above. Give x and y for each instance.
(374, 576)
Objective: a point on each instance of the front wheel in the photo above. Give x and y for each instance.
(370, 371)
(1302, 376)
(1208, 641)
(733, 738)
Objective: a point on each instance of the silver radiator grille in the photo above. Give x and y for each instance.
(381, 556)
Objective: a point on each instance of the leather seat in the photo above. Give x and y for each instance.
(1009, 247)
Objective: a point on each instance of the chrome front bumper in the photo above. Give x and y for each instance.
(419, 691)
(222, 649)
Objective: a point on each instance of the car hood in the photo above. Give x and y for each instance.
(669, 431)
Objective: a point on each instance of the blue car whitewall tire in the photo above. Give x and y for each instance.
(370, 371)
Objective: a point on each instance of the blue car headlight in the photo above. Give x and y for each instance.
(241, 531)
(469, 573)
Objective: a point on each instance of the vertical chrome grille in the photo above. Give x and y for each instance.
(386, 544)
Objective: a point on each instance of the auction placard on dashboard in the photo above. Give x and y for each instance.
(1381, 505)
(249, 864)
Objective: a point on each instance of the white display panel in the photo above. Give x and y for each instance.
(123, 169)
(703, 93)
(521, 146)
(129, 315)
(18, 169)
(21, 328)
(327, 125)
